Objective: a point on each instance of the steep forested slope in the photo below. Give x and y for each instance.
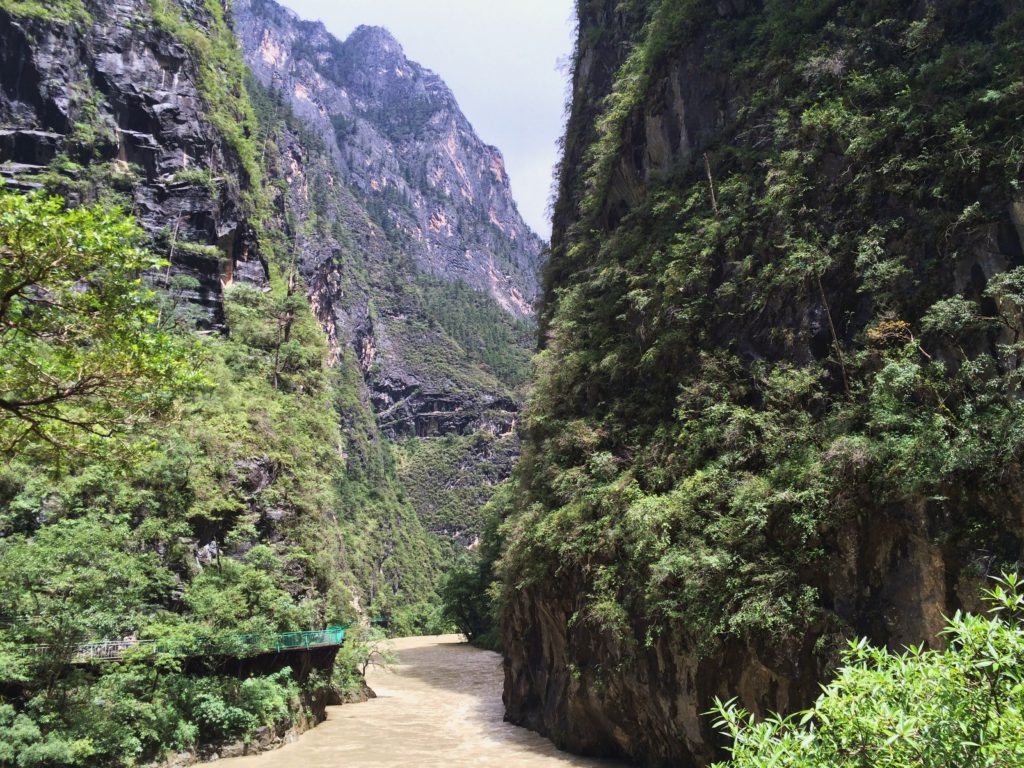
(160, 121)
(778, 404)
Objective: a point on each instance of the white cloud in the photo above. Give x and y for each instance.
(501, 59)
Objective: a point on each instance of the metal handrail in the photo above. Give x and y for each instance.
(238, 646)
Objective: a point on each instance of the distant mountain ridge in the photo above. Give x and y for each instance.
(418, 262)
(401, 141)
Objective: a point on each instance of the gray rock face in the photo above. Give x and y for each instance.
(388, 184)
(420, 383)
(400, 141)
(363, 289)
(121, 95)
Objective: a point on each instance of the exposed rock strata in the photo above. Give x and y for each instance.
(400, 186)
(122, 93)
(401, 142)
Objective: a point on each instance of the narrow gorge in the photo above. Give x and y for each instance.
(726, 474)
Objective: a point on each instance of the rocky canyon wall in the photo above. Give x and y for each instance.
(777, 404)
(419, 263)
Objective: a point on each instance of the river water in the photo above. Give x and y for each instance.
(440, 706)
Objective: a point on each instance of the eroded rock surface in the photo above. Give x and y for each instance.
(115, 103)
(401, 142)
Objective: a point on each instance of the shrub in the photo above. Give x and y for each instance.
(963, 706)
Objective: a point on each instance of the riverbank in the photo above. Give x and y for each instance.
(440, 706)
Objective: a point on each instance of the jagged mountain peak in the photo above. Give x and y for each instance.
(401, 142)
(372, 64)
(374, 39)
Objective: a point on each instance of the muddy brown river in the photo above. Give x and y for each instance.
(440, 706)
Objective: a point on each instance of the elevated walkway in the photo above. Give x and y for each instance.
(237, 646)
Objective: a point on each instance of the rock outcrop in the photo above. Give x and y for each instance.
(114, 105)
(751, 315)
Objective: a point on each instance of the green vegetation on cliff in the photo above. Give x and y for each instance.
(166, 484)
(202, 512)
(451, 478)
(778, 401)
(54, 10)
(738, 368)
(222, 80)
(487, 334)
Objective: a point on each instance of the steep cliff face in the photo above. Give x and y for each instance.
(382, 322)
(418, 261)
(404, 146)
(778, 403)
(131, 121)
(112, 103)
(372, 301)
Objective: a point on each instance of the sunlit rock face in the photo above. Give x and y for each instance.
(389, 183)
(401, 142)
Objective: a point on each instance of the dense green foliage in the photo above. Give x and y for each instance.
(471, 592)
(451, 478)
(485, 332)
(82, 347)
(102, 544)
(963, 706)
(55, 10)
(739, 369)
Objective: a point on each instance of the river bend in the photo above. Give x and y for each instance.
(440, 706)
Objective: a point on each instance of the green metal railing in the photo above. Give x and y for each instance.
(237, 646)
(287, 641)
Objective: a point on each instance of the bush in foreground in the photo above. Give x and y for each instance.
(963, 706)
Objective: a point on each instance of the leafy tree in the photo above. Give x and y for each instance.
(466, 603)
(963, 706)
(364, 647)
(80, 347)
(73, 581)
(471, 596)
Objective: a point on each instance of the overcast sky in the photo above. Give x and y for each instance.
(504, 61)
